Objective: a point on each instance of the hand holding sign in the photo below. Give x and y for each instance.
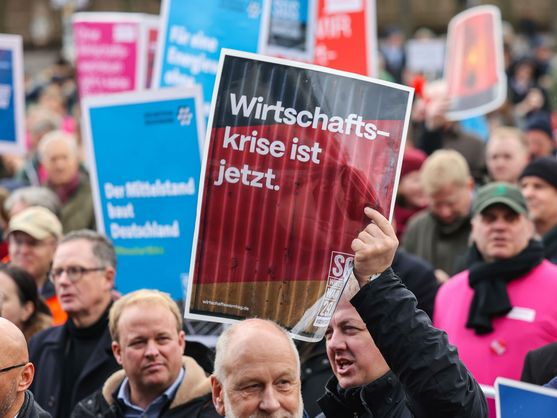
(374, 248)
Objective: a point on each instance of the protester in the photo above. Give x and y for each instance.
(526, 95)
(440, 234)
(417, 275)
(503, 305)
(427, 378)
(25, 197)
(156, 381)
(538, 182)
(411, 197)
(437, 132)
(17, 375)
(257, 372)
(539, 136)
(59, 154)
(506, 154)
(22, 304)
(75, 359)
(32, 238)
(39, 122)
(540, 365)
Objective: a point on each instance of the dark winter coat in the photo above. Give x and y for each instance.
(427, 378)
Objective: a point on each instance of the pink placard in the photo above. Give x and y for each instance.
(106, 56)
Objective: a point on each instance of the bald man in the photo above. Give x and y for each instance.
(16, 375)
(257, 372)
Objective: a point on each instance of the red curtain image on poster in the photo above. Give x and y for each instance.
(294, 156)
(474, 71)
(346, 37)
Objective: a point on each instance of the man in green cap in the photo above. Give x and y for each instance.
(504, 304)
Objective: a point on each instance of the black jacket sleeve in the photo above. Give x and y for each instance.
(419, 354)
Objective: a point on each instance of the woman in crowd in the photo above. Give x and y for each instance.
(21, 303)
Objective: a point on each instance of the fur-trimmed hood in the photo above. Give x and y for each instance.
(195, 384)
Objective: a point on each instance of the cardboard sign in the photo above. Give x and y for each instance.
(346, 36)
(144, 154)
(111, 52)
(12, 97)
(292, 29)
(293, 154)
(516, 399)
(474, 68)
(192, 37)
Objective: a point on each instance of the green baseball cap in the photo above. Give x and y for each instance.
(499, 193)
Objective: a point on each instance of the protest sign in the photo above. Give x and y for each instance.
(293, 154)
(149, 32)
(426, 56)
(110, 51)
(12, 99)
(516, 399)
(474, 69)
(191, 39)
(346, 37)
(292, 29)
(144, 154)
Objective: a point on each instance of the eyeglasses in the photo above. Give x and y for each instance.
(7, 369)
(74, 273)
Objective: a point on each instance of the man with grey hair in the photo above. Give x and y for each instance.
(257, 372)
(25, 197)
(59, 155)
(74, 360)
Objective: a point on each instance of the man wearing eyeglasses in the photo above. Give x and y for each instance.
(16, 374)
(74, 360)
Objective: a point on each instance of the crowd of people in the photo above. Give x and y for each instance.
(475, 270)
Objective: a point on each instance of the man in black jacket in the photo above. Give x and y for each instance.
(73, 360)
(16, 375)
(407, 369)
(538, 183)
(156, 380)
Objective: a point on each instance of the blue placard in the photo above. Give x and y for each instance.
(292, 29)
(7, 105)
(12, 131)
(523, 400)
(144, 154)
(193, 34)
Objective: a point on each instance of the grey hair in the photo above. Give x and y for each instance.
(223, 344)
(101, 246)
(58, 135)
(34, 196)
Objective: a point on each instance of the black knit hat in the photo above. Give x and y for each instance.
(539, 122)
(544, 168)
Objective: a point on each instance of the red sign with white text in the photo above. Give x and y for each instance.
(294, 155)
(346, 37)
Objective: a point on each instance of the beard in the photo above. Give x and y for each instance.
(7, 399)
(299, 413)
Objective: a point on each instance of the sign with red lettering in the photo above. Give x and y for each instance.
(294, 153)
(474, 69)
(346, 37)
